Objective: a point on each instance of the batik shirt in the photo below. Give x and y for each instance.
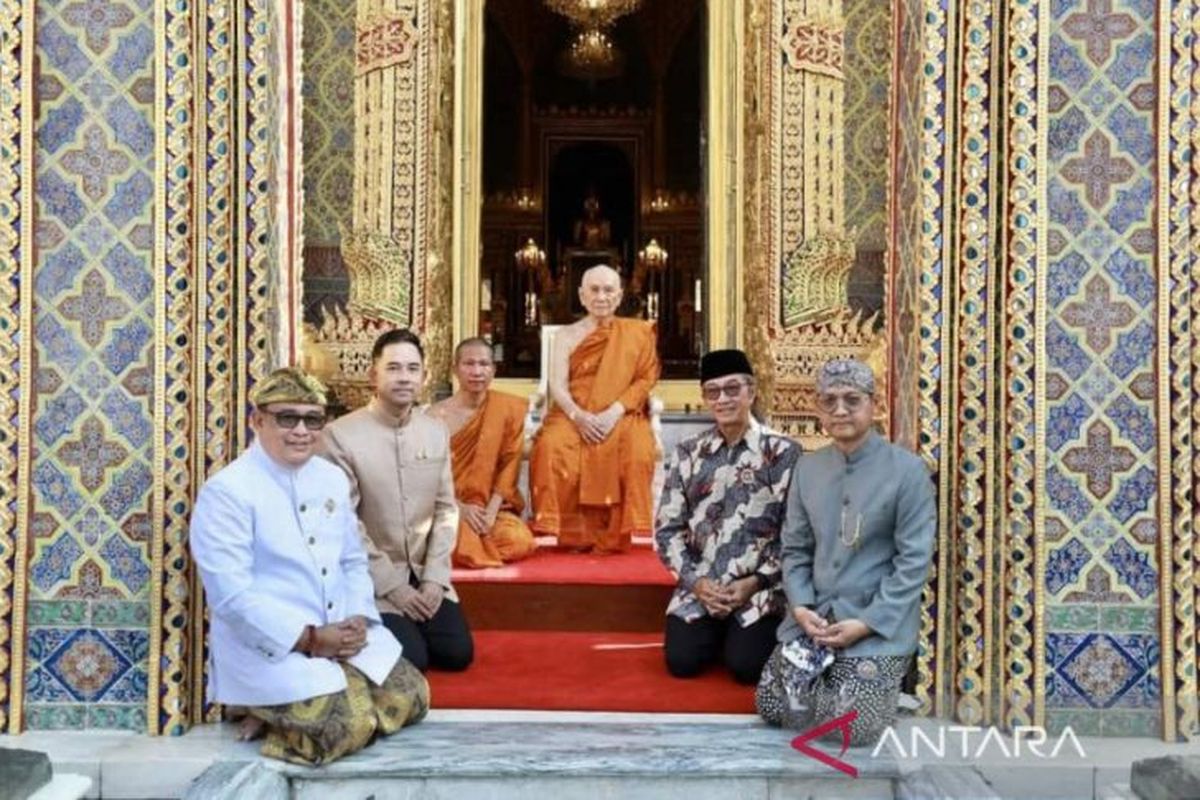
(720, 514)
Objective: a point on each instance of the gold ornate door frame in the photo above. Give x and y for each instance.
(723, 173)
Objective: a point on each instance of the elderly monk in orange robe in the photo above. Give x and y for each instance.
(487, 434)
(593, 461)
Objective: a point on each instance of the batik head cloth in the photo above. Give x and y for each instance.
(849, 372)
(288, 385)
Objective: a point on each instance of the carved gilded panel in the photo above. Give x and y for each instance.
(395, 260)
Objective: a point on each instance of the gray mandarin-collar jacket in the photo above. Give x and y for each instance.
(883, 492)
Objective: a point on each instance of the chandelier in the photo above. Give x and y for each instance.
(592, 56)
(593, 15)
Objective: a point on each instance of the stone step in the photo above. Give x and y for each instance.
(502, 760)
(1116, 791)
(647, 755)
(949, 782)
(1167, 778)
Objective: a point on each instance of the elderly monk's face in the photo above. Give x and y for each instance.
(600, 292)
(475, 368)
(288, 431)
(398, 374)
(729, 398)
(846, 413)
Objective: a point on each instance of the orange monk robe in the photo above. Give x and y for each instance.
(485, 455)
(599, 495)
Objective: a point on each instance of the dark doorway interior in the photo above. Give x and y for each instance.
(630, 138)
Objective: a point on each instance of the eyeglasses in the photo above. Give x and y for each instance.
(290, 419)
(852, 401)
(732, 389)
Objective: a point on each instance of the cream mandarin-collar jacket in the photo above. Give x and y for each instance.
(403, 489)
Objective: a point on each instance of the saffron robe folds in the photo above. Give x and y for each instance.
(486, 457)
(599, 495)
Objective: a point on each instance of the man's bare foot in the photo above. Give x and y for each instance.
(251, 728)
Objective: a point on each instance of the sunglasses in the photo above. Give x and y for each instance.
(852, 401)
(729, 390)
(290, 419)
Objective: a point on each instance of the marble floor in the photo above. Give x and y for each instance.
(474, 753)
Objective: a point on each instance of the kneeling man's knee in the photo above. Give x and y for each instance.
(681, 663)
(456, 656)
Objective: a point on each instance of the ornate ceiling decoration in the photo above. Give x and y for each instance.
(593, 15)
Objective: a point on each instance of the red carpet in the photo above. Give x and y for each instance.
(640, 566)
(574, 671)
(548, 635)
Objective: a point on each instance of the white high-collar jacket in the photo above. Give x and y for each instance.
(278, 548)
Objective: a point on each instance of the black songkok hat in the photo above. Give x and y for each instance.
(719, 363)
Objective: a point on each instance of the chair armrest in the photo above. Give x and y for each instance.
(533, 420)
(655, 407)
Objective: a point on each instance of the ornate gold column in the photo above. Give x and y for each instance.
(809, 253)
(387, 251)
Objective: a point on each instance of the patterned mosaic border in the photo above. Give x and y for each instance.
(175, 358)
(1192, 654)
(1022, 659)
(1179, 242)
(16, 33)
(938, 64)
(974, 492)
(218, 414)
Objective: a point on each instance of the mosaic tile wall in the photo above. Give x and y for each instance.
(1101, 579)
(328, 136)
(868, 61)
(89, 571)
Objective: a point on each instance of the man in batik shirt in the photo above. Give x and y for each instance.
(717, 530)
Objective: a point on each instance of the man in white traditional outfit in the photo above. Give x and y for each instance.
(296, 638)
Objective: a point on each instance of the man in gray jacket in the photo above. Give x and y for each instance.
(857, 544)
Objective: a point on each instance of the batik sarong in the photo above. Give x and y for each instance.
(322, 729)
(792, 695)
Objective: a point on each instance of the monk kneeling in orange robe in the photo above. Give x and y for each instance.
(487, 433)
(593, 461)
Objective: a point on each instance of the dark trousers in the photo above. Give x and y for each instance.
(443, 642)
(690, 647)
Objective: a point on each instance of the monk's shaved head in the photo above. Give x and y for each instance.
(600, 291)
(600, 272)
(474, 341)
(474, 365)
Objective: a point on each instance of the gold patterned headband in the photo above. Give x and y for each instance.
(288, 385)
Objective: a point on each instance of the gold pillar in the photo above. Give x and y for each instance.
(387, 250)
(802, 211)
(381, 246)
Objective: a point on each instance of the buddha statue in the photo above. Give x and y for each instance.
(592, 231)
